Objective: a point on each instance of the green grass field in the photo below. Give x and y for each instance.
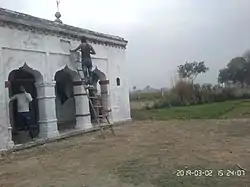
(221, 110)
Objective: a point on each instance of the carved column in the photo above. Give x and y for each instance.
(5, 114)
(83, 118)
(10, 142)
(47, 110)
(105, 97)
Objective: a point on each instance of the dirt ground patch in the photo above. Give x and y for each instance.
(143, 154)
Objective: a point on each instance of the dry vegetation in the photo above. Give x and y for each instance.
(143, 154)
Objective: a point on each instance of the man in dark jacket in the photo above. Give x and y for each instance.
(86, 49)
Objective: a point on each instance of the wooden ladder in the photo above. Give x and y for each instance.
(96, 105)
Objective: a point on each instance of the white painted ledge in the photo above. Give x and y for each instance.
(61, 136)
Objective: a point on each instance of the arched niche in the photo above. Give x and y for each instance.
(65, 102)
(100, 82)
(27, 77)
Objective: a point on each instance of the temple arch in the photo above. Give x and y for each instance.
(26, 77)
(100, 83)
(65, 101)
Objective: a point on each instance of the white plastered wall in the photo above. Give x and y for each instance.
(46, 55)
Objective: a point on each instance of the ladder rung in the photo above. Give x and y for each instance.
(93, 97)
(103, 115)
(107, 110)
(91, 87)
(98, 106)
(106, 126)
(88, 87)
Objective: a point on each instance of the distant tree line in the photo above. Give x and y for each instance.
(237, 71)
(185, 92)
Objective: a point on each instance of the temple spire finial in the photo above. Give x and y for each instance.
(58, 14)
(57, 5)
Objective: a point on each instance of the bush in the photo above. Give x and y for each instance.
(184, 90)
(186, 94)
(169, 101)
(140, 96)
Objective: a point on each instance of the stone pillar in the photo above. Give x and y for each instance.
(47, 110)
(10, 142)
(4, 97)
(83, 118)
(106, 98)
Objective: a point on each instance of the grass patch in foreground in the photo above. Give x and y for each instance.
(141, 173)
(228, 109)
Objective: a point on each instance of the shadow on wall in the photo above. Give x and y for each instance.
(65, 102)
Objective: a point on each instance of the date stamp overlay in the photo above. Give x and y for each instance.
(210, 173)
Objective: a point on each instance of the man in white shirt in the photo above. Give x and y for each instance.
(24, 115)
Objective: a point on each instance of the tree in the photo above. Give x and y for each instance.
(191, 70)
(134, 88)
(237, 70)
(224, 76)
(246, 55)
(237, 63)
(207, 87)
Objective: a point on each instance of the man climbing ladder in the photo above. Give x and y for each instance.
(86, 49)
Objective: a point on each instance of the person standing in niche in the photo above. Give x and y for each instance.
(23, 111)
(86, 50)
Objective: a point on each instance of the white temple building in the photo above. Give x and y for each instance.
(34, 52)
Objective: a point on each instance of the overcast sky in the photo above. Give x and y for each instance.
(161, 33)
